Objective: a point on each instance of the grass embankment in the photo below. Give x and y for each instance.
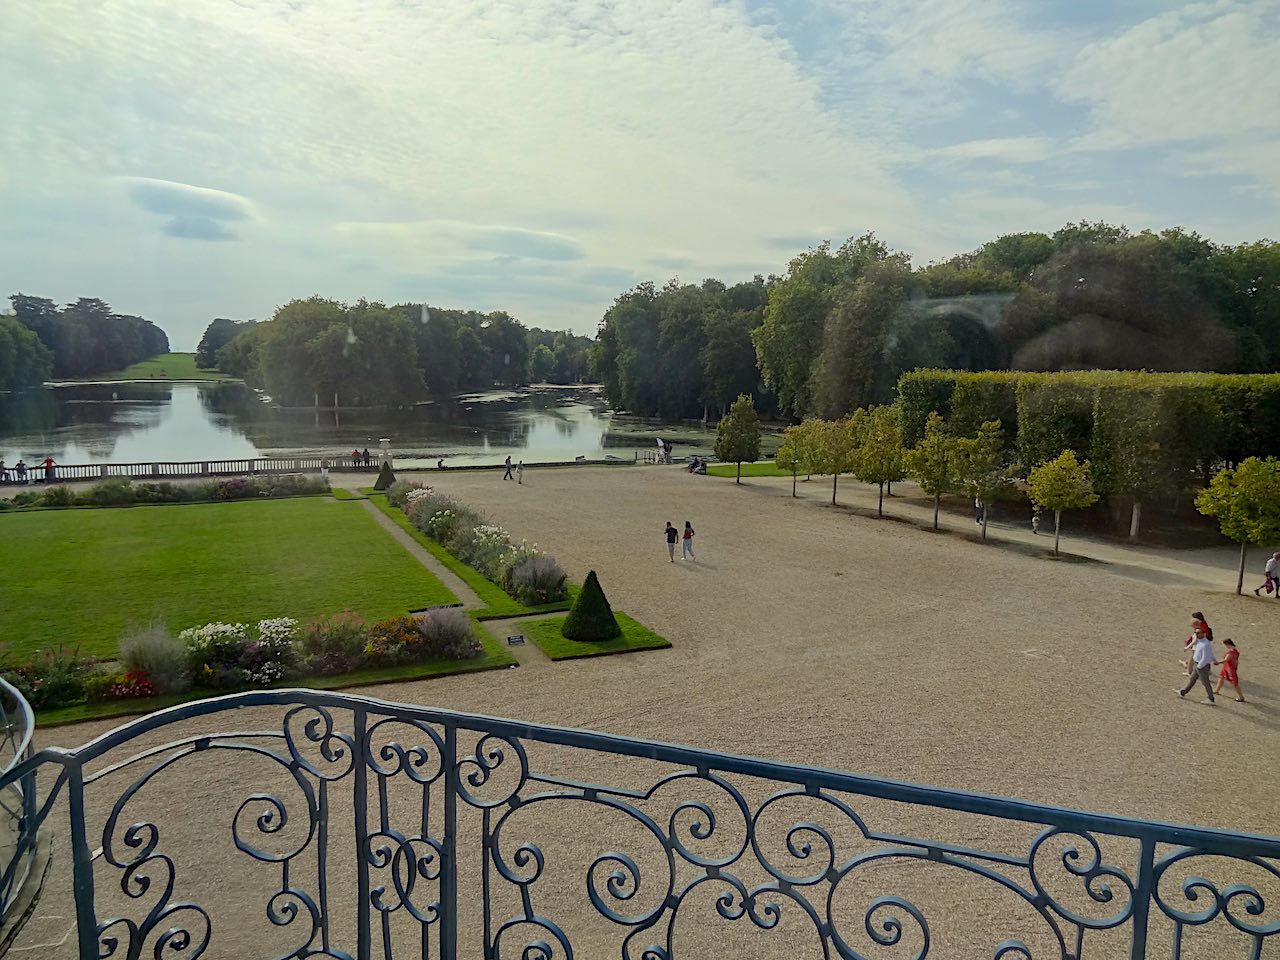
(765, 468)
(546, 635)
(82, 577)
(498, 603)
(167, 366)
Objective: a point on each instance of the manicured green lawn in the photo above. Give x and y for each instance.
(87, 575)
(765, 468)
(167, 366)
(495, 657)
(546, 635)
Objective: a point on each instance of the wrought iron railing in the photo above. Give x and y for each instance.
(346, 827)
(17, 796)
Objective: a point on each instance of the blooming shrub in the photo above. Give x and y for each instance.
(334, 644)
(55, 678)
(134, 683)
(403, 492)
(235, 488)
(123, 492)
(446, 634)
(158, 654)
(536, 580)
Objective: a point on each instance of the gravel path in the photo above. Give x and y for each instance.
(808, 634)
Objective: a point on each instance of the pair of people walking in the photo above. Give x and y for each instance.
(516, 473)
(1200, 663)
(674, 536)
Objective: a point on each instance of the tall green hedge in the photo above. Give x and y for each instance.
(1172, 422)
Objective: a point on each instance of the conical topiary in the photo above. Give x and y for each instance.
(386, 476)
(591, 619)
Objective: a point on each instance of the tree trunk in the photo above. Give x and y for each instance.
(1240, 576)
(793, 480)
(1135, 518)
(834, 478)
(891, 488)
(985, 508)
(739, 480)
(937, 498)
(1057, 527)
(880, 508)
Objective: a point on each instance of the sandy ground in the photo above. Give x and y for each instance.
(819, 636)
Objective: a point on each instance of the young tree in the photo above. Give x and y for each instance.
(738, 435)
(829, 450)
(877, 447)
(794, 452)
(982, 468)
(1246, 501)
(932, 462)
(1061, 484)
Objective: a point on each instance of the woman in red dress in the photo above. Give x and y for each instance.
(1230, 672)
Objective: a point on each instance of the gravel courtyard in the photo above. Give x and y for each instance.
(808, 634)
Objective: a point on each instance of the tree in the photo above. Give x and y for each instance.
(982, 468)
(1061, 484)
(738, 434)
(24, 360)
(542, 363)
(932, 463)
(828, 450)
(1246, 501)
(877, 448)
(591, 619)
(794, 452)
(217, 335)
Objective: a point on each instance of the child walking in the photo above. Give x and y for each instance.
(1230, 672)
(687, 553)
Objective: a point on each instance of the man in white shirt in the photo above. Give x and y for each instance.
(1271, 572)
(1201, 665)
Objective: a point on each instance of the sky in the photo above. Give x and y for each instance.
(185, 161)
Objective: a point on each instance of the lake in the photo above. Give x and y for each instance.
(141, 422)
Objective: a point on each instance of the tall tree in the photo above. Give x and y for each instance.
(217, 335)
(877, 448)
(1061, 484)
(932, 463)
(982, 468)
(738, 435)
(1246, 501)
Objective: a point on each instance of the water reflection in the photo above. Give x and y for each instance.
(144, 422)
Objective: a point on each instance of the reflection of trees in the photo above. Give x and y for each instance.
(32, 411)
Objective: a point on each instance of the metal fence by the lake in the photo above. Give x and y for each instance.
(345, 827)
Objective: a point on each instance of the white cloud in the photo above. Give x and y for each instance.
(1011, 149)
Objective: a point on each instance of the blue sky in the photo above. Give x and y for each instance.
(219, 157)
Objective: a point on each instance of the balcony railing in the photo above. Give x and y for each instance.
(17, 797)
(346, 827)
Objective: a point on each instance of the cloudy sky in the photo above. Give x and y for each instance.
(219, 157)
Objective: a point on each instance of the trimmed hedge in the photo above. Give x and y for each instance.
(1190, 422)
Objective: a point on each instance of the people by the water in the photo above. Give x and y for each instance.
(20, 468)
(520, 472)
(367, 459)
(355, 457)
(4, 473)
(1271, 577)
(1230, 672)
(324, 468)
(508, 475)
(672, 536)
(687, 552)
(440, 464)
(48, 463)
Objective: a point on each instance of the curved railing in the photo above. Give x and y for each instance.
(358, 828)
(18, 832)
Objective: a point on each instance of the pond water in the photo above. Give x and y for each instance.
(141, 422)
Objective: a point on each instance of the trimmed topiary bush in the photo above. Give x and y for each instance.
(386, 477)
(591, 619)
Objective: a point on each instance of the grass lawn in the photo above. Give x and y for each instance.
(765, 468)
(546, 635)
(94, 573)
(498, 602)
(495, 657)
(167, 366)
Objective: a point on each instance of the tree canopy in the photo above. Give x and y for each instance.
(86, 337)
(738, 435)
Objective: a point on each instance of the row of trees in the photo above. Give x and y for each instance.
(324, 351)
(86, 337)
(835, 331)
(869, 445)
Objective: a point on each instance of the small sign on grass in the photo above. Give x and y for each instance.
(516, 639)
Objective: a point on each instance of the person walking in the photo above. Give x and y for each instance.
(1230, 672)
(1035, 520)
(1271, 573)
(1201, 664)
(978, 508)
(520, 472)
(687, 548)
(508, 475)
(1198, 624)
(672, 536)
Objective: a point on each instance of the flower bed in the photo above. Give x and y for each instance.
(235, 656)
(524, 572)
(123, 492)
